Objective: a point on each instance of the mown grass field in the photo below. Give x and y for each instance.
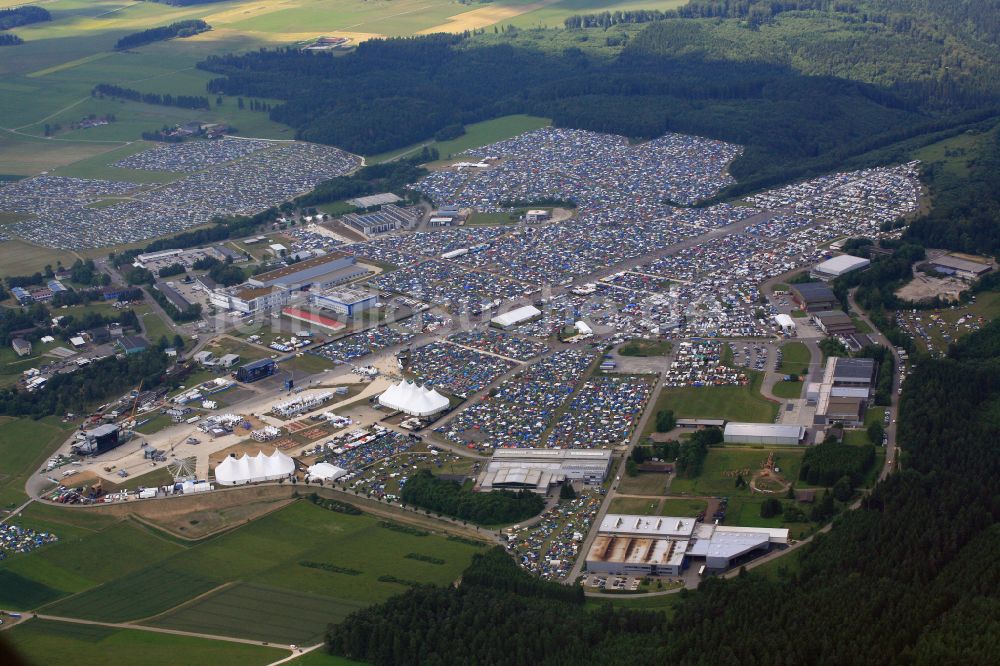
(24, 446)
(733, 403)
(50, 642)
(151, 575)
(789, 390)
(794, 358)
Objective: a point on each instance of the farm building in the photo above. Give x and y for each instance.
(20, 346)
(539, 469)
(764, 433)
(414, 400)
(831, 269)
(233, 471)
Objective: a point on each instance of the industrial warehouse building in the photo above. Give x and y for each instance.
(516, 316)
(388, 218)
(350, 302)
(538, 470)
(660, 546)
(831, 269)
(842, 396)
(814, 296)
(834, 322)
(273, 289)
(961, 268)
(764, 433)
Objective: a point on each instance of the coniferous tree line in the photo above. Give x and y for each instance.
(10, 40)
(426, 491)
(177, 29)
(182, 101)
(24, 15)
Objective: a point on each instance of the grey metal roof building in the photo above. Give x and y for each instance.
(853, 371)
(764, 433)
(539, 469)
(814, 296)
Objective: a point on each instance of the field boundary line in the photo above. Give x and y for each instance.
(160, 630)
(192, 600)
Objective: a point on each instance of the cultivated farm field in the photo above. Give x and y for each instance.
(50, 642)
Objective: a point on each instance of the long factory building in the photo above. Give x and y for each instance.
(538, 470)
(664, 545)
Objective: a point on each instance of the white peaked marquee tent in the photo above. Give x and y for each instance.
(414, 400)
(252, 469)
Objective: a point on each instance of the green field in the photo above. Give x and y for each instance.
(794, 359)
(682, 507)
(789, 390)
(733, 403)
(49, 642)
(294, 618)
(634, 506)
(152, 575)
(645, 348)
(476, 135)
(714, 481)
(24, 447)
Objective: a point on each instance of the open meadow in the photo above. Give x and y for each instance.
(302, 566)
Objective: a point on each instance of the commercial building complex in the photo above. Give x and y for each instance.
(274, 289)
(350, 302)
(662, 545)
(842, 396)
(388, 218)
(538, 470)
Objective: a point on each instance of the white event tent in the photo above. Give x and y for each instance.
(324, 471)
(252, 469)
(414, 400)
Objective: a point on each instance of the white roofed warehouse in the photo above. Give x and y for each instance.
(764, 433)
(515, 317)
(831, 269)
(414, 400)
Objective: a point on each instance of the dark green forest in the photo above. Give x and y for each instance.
(913, 576)
(815, 85)
(428, 492)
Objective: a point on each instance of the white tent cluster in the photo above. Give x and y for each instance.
(414, 400)
(252, 469)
